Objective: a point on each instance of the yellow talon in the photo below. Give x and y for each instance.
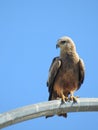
(74, 99)
(64, 99)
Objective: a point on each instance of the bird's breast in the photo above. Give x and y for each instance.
(67, 78)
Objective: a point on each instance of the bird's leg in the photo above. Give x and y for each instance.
(64, 98)
(72, 97)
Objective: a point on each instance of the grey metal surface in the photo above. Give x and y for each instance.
(47, 108)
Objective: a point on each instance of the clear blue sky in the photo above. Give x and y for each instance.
(28, 33)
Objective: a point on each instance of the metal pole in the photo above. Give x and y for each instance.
(47, 108)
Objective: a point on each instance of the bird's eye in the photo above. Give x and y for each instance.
(63, 42)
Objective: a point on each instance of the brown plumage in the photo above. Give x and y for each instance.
(66, 73)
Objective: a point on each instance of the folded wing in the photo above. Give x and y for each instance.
(53, 71)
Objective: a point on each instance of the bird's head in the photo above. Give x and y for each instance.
(65, 43)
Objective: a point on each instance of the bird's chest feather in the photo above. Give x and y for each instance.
(67, 78)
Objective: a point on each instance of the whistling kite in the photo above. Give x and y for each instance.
(66, 73)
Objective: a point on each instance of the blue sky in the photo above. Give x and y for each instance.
(28, 33)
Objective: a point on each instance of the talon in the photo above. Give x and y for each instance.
(64, 99)
(74, 99)
(77, 97)
(58, 98)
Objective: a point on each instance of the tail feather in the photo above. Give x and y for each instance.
(64, 115)
(52, 97)
(49, 116)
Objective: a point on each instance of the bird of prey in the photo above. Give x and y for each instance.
(66, 73)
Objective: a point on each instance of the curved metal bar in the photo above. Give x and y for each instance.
(47, 108)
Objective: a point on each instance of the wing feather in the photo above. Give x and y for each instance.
(53, 71)
(81, 72)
